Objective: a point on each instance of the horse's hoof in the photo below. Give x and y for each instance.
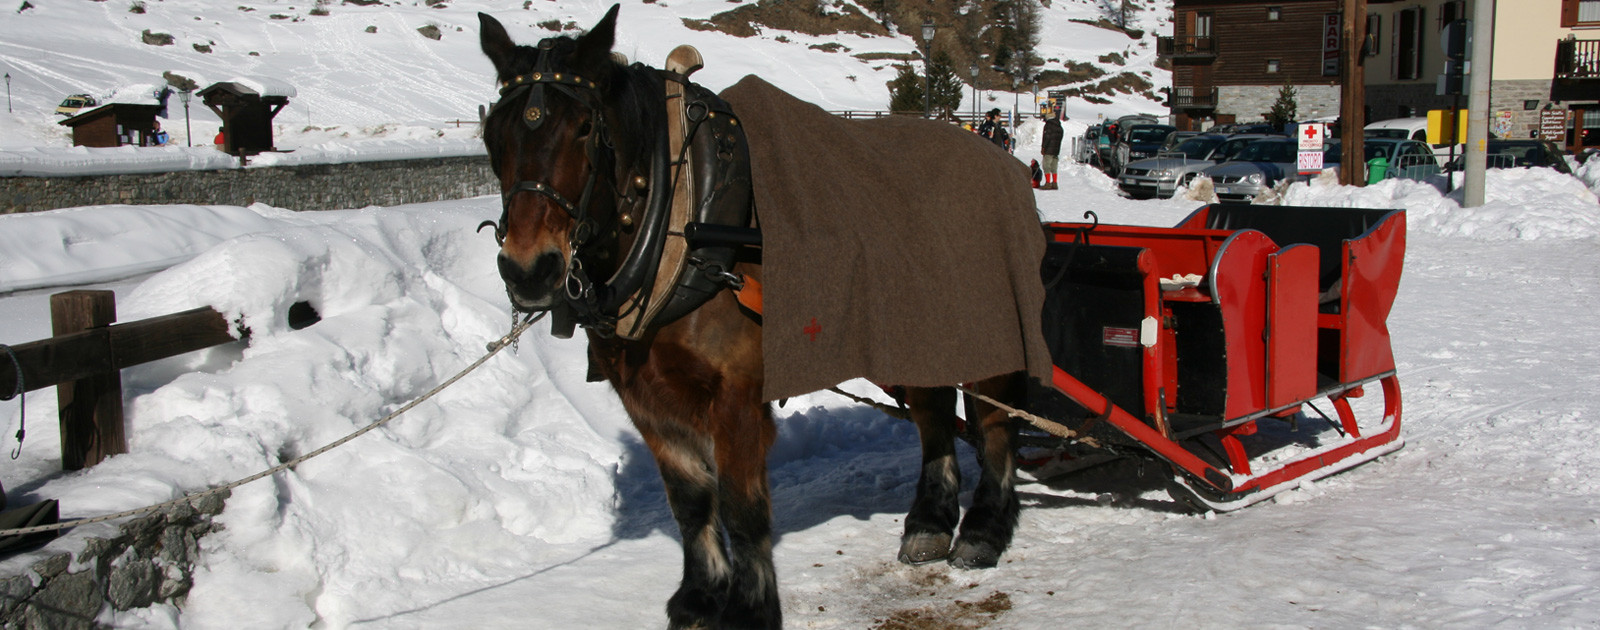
(924, 548)
(977, 555)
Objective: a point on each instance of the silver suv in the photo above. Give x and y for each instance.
(1161, 176)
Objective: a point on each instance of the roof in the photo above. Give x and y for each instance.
(266, 88)
(132, 109)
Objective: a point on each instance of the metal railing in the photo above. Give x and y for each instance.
(1578, 59)
(1190, 97)
(1186, 46)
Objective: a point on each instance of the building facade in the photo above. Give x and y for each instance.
(1231, 58)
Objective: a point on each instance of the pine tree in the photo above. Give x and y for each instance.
(1285, 110)
(905, 91)
(946, 87)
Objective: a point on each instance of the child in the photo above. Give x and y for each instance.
(1038, 173)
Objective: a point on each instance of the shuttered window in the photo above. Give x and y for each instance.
(1580, 13)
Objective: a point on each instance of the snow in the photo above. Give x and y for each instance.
(522, 497)
(523, 490)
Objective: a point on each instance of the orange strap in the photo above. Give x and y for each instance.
(750, 294)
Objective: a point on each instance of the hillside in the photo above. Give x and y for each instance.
(365, 69)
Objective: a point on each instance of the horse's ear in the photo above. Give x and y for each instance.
(495, 41)
(595, 45)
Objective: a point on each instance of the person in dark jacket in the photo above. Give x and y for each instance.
(994, 130)
(1051, 147)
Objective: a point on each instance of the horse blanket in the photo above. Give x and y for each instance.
(900, 250)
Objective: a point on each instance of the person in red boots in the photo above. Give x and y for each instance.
(1051, 147)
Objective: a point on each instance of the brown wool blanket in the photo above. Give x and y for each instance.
(899, 250)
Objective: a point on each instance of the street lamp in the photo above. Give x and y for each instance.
(974, 70)
(928, 30)
(188, 134)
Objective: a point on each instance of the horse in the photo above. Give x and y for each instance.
(575, 140)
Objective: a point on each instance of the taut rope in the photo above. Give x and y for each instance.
(493, 348)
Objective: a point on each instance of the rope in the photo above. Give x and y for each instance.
(493, 348)
(1042, 423)
(893, 412)
(21, 390)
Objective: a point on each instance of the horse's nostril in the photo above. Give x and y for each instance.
(536, 283)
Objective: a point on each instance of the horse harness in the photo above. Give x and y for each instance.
(699, 183)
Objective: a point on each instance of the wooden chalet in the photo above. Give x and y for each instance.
(246, 109)
(115, 125)
(1230, 58)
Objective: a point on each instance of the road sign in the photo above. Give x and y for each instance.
(1312, 136)
(1310, 162)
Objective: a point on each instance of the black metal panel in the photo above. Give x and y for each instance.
(1088, 289)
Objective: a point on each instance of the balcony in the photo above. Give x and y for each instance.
(1577, 75)
(1185, 97)
(1187, 48)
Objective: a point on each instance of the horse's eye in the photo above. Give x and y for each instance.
(583, 131)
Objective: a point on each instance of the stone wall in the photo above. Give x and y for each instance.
(1249, 103)
(150, 561)
(304, 187)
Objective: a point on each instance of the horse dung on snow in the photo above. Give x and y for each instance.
(726, 251)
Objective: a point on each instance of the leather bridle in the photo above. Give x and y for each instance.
(587, 302)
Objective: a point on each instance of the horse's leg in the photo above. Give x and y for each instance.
(744, 434)
(684, 458)
(931, 522)
(987, 528)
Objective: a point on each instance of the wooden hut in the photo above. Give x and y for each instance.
(115, 125)
(246, 108)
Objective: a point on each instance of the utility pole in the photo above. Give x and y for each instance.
(1482, 72)
(1353, 94)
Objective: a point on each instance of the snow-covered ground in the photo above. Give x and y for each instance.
(521, 497)
(364, 74)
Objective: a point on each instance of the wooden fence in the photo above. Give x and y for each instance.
(84, 358)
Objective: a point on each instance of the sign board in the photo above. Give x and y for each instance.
(1310, 162)
(1312, 136)
(1553, 125)
(1332, 36)
(1441, 121)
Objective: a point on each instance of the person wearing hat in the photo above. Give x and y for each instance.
(1051, 147)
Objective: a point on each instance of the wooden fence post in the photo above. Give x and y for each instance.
(90, 408)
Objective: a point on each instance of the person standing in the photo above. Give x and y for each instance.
(1051, 147)
(994, 130)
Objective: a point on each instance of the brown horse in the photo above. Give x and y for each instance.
(576, 140)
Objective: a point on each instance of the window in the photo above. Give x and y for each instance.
(1202, 24)
(1272, 66)
(1580, 13)
(1374, 28)
(1406, 45)
(1274, 13)
(1451, 11)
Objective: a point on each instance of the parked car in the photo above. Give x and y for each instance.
(1401, 158)
(1244, 128)
(1174, 139)
(1160, 176)
(71, 105)
(1260, 165)
(1144, 141)
(1524, 153)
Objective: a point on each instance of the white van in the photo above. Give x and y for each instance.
(1414, 128)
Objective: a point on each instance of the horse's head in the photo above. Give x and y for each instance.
(560, 140)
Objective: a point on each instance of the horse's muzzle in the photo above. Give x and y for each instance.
(535, 287)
